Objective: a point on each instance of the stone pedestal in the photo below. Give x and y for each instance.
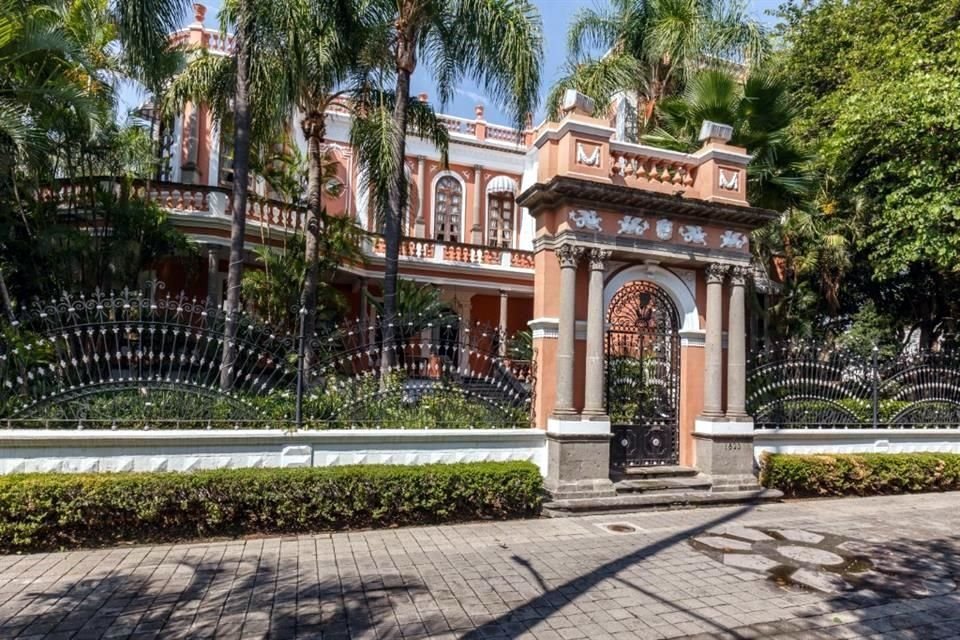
(724, 451)
(578, 459)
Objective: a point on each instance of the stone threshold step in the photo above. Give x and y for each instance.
(650, 485)
(656, 501)
(664, 471)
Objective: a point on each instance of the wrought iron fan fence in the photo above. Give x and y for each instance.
(818, 386)
(146, 359)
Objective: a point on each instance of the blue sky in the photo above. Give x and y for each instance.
(556, 17)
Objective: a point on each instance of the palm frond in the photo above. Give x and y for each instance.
(501, 46)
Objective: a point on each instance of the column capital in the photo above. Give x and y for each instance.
(716, 273)
(598, 259)
(503, 293)
(739, 275)
(568, 255)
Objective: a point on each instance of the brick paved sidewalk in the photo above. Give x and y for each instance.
(545, 579)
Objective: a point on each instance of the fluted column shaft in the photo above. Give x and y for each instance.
(737, 346)
(593, 396)
(569, 256)
(713, 344)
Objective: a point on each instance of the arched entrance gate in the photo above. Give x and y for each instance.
(643, 376)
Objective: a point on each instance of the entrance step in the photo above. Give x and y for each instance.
(656, 501)
(667, 470)
(632, 484)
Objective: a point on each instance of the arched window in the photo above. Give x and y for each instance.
(501, 209)
(447, 208)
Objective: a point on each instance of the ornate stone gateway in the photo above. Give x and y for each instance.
(643, 376)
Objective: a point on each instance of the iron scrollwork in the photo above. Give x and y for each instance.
(643, 376)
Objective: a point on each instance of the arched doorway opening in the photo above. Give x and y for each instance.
(643, 376)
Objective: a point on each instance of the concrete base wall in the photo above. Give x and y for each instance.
(803, 441)
(86, 451)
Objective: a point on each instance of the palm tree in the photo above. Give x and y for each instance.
(247, 89)
(498, 43)
(761, 111)
(651, 47)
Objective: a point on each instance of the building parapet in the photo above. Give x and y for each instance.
(202, 201)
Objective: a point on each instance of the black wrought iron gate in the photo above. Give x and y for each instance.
(643, 376)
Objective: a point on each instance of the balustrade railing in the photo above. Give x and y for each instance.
(216, 202)
(641, 166)
(178, 198)
(457, 253)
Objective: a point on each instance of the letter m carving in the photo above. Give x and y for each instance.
(731, 182)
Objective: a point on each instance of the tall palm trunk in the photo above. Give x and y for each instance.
(241, 167)
(314, 131)
(406, 64)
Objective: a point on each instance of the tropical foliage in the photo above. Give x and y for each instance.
(876, 84)
(650, 48)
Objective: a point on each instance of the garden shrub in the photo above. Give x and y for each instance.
(59, 511)
(860, 474)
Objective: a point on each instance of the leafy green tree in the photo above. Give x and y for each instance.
(651, 47)
(877, 84)
(495, 42)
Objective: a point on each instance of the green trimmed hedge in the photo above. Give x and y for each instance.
(864, 474)
(58, 511)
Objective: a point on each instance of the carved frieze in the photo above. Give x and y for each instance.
(664, 229)
(694, 234)
(632, 226)
(586, 219)
(732, 239)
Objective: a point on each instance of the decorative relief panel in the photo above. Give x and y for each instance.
(732, 239)
(633, 226)
(590, 159)
(729, 180)
(694, 234)
(586, 219)
(664, 229)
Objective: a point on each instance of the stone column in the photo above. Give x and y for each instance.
(593, 396)
(569, 256)
(737, 347)
(503, 323)
(476, 232)
(713, 345)
(213, 276)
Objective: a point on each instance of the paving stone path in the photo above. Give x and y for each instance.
(746, 572)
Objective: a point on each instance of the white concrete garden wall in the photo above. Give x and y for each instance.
(856, 441)
(121, 450)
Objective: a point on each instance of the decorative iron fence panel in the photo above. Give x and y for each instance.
(146, 359)
(812, 386)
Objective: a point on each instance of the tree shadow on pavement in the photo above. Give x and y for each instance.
(557, 597)
(202, 599)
